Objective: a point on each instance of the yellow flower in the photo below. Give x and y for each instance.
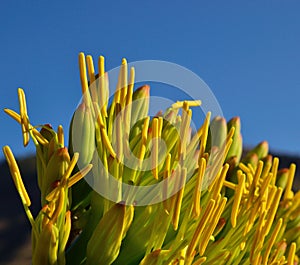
(163, 194)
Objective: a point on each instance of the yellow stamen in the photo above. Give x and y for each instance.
(107, 143)
(204, 134)
(259, 234)
(67, 180)
(128, 107)
(198, 188)
(124, 81)
(35, 132)
(200, 228)
(145, 130)
(154, 151)
(219, 184)
(79, 175)
(291, 255)
(200, 261)
(274, 171)
(253, 214)
(251, 169)
(91, 69)
(101, 65)
(91, 74)
(24, 117)
(273, 210)
(144, 140)
(99, 116)
(190, 103)
(237, 198)
(271, 241)
(218, 209)
(71, 166)
(249, 180)
(121, 90)
(119, 135)
(103, 86)
(257, 174)
(13, 114)
(15, 172)
(82, 70)
(166, 176)
(288, 194)
(178, 203)
(66, 230)
(266, 170)
(60, 135)
(230, 185)
(59, 204)
(244, 168)
(39, 137)
(271, 195)
(160, 126)
(131, 84)
(183, 127)
(264, 186)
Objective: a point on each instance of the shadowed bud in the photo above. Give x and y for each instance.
(261, 150)
(55, 169)
(104, 245)
(45, 251)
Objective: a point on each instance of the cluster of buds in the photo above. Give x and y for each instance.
(51, 228)
(157, 193)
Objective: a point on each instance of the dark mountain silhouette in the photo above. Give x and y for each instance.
(15, 229)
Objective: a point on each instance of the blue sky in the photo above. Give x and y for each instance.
(248, 52)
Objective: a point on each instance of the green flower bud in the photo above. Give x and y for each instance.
(45, 251)
(261, 150)
(82, 134)
(105, 243)
(251, 158)
(282, 178)
(217, 133)
(237, 143)
(140, 104)
(55, 170)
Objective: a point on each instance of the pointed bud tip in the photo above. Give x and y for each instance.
(63, 153)
(236, 120)
(264, 144)
(145, 89)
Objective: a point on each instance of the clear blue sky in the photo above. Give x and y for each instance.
(248, 52)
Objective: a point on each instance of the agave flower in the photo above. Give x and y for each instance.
(158, 192)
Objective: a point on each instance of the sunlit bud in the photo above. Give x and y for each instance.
(140, 104)
(82, 134)
(237, 143)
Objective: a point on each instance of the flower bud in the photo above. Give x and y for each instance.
(105, 243)
(237, 143)
(261, 150)
(282, 178)
(45, 251)
(140, 104)
(217, 133)
(82, 134)
(55, 169)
